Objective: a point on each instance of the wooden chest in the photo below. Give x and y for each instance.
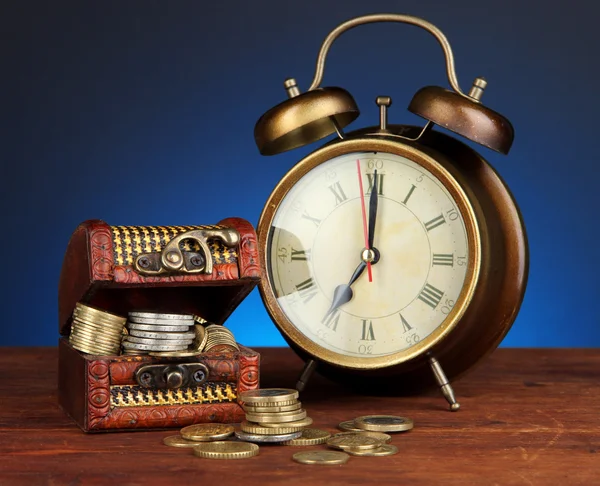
(180, 269)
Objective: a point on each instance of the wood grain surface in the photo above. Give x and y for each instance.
(528, 416)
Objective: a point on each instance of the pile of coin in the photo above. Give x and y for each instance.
(96, 332)
(218, 336)
(153, 332)
(210, 441)
(272, 415)
(363, 436)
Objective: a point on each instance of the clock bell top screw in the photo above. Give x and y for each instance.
(383, 102)
(291, 87)
(476, 91)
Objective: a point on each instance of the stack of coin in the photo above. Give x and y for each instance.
(210, 441)
(365, 436)
(97, 332)
(218, 336)
(272, 415)
(201, 336)
(150, 331)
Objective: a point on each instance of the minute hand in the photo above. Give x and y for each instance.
(373, 202)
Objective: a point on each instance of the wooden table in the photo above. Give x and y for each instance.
(528, 416)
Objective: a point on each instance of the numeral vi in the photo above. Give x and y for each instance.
(367, 331)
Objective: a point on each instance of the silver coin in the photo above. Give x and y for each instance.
(153, 347)
(156, 315)
(163, 335)
(167, 342)
(157, 328)
(162, 322)
(246, 437)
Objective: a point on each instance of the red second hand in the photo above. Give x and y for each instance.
(364, 217)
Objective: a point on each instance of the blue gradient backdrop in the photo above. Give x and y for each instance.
(141, 112)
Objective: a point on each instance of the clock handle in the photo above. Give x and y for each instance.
(387, 17)
(444, 384)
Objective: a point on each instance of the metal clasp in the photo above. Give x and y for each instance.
(172, 376)
(172, 259)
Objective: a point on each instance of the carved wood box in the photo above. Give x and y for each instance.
(120, 269)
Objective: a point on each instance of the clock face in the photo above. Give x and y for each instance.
(420, 255)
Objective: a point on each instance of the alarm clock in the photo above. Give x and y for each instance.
(393, 258)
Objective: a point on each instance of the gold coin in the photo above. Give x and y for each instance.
(200, 320)
(226, 450)
(384, 438)
(383, 450)
(104, 328)
(92, 350)
(273, 396)
(354, 442)
(310, 437)
(101, 338)
(207, 432)
(95, 347)
(253, 428)
(276, 418)
(321, 457)
(96, 321)
(349, 426)
(270, 405)
(92, 312)
(94, 340)
(305, 422)
(178, 441)
(383, 423)
(272, 409)
(200, 339)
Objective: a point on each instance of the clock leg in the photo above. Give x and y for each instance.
(444, 384)
(309, 368)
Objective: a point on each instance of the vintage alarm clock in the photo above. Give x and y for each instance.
(394, 257)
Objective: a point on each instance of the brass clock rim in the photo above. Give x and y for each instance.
(365, 144)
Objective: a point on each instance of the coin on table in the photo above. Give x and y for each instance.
(321, 457)
(268, 395)
(383, 423)
(305, 422)
(226, 450)
(348, 426)
(384, 438)
(383, 450)
(276, 418)
(309, 437)
(252, 428)
(207, 432)
(178, 441)
(272, 408)
(266, 438)
(354, 442)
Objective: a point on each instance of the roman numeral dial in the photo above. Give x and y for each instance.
(316, 261)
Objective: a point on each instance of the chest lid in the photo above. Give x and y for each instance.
(203, 270)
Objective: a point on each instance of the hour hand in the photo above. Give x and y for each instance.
(343, 293)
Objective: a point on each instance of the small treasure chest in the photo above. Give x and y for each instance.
(141, 312)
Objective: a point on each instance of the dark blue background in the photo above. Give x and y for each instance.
(142, 113)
